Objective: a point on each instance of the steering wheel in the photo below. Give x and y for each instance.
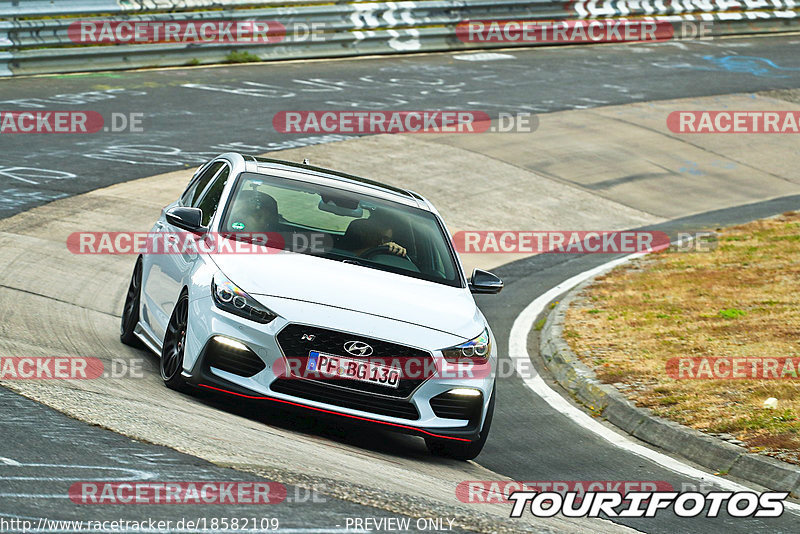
(382, 250)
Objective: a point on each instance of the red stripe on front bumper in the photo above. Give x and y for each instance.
(334, 413)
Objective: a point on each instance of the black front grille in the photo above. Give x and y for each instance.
(295, 344)
(451, 406)
(239, 362)
(311, 390)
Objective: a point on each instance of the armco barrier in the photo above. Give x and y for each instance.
(35, 38)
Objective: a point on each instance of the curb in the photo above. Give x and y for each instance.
(606, 401)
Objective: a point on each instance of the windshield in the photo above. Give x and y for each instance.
(341, 225)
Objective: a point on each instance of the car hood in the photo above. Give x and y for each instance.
(353, 287)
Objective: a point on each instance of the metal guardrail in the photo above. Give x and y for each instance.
(35, 35)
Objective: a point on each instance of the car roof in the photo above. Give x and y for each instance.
(316, 174)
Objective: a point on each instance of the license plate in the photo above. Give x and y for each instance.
(330, 366)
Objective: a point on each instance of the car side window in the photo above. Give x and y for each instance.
(210, 201)
(198, 185)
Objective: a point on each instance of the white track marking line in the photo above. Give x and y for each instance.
(486, 56)
(518, 352)
(131, 474)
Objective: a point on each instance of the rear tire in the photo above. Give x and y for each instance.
(461, 450)
(130, 313)
(171, 364)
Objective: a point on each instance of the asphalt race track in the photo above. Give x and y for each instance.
(193, 114)
(33, 489)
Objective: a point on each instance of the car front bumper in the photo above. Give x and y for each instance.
(208, 322)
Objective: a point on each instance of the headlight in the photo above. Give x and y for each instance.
(474, 351)
(230, 298)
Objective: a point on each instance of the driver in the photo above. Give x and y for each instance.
(365, 234)
(255, 212)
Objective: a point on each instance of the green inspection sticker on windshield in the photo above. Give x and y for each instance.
(238, 226)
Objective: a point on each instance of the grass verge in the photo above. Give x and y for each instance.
(741, 300)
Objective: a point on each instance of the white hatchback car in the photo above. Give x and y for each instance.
(355, 304)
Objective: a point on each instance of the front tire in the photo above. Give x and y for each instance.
(130, 313)
(461, 450)
(174, 346)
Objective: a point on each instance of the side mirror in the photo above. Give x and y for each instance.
(190, 219)
(484, 283)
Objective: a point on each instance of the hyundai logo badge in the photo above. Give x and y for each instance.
(358, 348)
